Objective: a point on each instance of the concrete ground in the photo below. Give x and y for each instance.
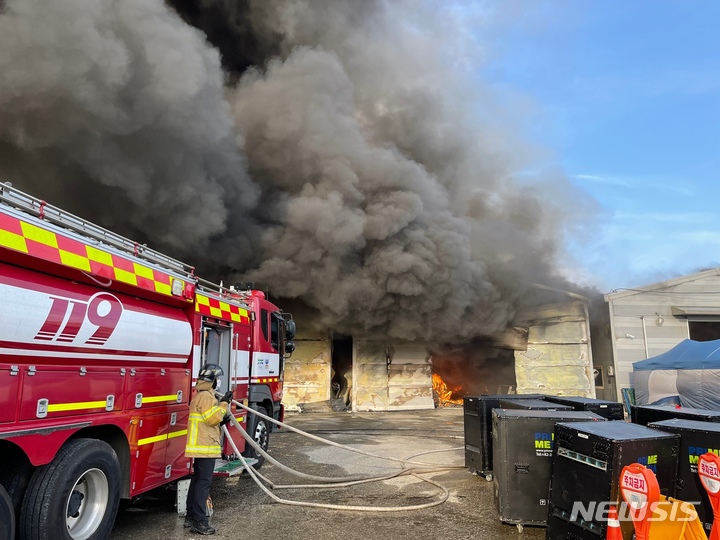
(242, 510)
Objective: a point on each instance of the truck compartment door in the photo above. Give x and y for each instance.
(56, 391)
(148, 444)
(9, 385)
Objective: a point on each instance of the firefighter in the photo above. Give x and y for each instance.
(203, 444)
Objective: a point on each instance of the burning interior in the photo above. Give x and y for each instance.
(472, 370)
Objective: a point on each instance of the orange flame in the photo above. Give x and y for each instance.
(444, 395)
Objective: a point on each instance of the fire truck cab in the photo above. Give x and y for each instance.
(101, 340)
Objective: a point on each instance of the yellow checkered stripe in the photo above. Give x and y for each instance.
(266, 380)
(160, 438)
(221, 310)
(24, 237)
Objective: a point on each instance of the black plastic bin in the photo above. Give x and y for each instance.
(611, 410)
(696, 438)
(645, 414)
(588, 458)
(522, 459)
(477, 420)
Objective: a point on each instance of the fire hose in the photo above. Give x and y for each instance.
(335, 482)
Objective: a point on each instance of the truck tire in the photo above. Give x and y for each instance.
(259, 430)
(7, 516)
(75, 496)
(14, 477)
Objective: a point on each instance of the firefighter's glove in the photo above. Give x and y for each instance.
(227, 398)
(226, 419)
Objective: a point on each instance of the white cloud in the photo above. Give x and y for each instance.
(655, 182)
(693, 218)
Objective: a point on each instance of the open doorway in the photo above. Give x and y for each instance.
(216, 350)
(473, 369)
(342, 357)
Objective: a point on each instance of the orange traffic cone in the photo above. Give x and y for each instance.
(613, 525)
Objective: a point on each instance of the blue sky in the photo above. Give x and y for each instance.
(626, 95)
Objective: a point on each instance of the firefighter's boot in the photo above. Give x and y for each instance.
(202, 528)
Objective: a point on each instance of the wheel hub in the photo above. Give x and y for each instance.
(87, 504)
(261, 435)
(74, 504)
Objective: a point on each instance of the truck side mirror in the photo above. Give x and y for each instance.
(289, 329)
(289, 347)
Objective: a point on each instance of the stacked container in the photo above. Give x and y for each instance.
(611, 410)
(645, 414)
(522, 459)
(696, 438)
(532, 405)
(478, 429)
(588, 458)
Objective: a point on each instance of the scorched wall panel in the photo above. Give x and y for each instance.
(370, 376)
(308, 371)
(409, 377)
(558, 359)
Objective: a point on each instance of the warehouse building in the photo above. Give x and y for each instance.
(546, 350)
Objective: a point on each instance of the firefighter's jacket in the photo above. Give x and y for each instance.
(203, 436)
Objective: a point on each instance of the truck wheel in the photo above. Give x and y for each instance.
(259, 430)
(7, 515)
(75, 496)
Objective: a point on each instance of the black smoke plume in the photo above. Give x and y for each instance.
(341, 153)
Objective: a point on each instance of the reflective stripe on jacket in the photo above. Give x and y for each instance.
(203, 435)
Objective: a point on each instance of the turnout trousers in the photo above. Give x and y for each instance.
(199, 490)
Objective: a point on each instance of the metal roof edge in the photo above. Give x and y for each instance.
(623, 292)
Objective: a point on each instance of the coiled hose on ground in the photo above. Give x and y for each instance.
(335, 482)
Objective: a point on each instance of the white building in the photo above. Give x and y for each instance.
(650, 320)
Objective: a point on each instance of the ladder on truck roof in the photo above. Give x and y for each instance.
(27, 203)
(226, 293)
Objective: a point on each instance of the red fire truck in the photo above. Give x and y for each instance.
(100, 342)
